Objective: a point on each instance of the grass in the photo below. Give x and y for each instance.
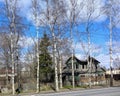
(70, 87)
(82, 86)
(67, 87)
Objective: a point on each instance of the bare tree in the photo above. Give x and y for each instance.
(116, 62)
(54, 16)
(11, 16)
(73, 14)
(112, 11)
(13, 27)
(5, 52)
(87, 18)
(36, 13)
(63, 50)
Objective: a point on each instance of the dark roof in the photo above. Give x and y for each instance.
(78, 61)
(93, 60)
(103, 69)
(83, 61)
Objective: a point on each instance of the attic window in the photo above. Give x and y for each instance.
(69, 66)
(83, 66)
(77, 66)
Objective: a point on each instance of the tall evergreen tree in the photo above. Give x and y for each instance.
(45, 60)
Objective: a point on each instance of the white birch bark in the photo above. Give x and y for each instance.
(12, 26)
(11, 13)
(73, 77)
(55, 61)
(35, 16)
(38, 65)
(110, 50)
(60, 67)
(12, 61)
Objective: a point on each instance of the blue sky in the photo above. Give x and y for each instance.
(99, 32)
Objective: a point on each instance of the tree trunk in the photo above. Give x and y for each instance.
(12, 61)
(110, 49)
(73, 77)
(55, 61)
(38, 65)
(7, 72)
(60, 67)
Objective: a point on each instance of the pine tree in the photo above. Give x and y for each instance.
(45, 60)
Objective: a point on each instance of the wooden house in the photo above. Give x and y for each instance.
(83, 71)
(6, 76)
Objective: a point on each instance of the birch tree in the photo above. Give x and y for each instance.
(53, 14)
(36, 12)
(12, 25)
(63, 50)
(112, 12)
(72, 17)
(88, 16)
(5, 52)
(11, 16)
(50, 14)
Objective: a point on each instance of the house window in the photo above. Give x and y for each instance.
(77, 66)
(69, 66)
(82, 75)
(83, 66)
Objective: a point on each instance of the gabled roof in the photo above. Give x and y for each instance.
(93, 60)
(77, 60)
(82, 61)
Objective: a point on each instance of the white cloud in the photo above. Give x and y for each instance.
(25, 7)
(92, 8)
(83, 48)
(26, 42)
(101, 56)
(85, 4)
(104, 59)
(116, 47)
(97, 52)
(81, 56)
